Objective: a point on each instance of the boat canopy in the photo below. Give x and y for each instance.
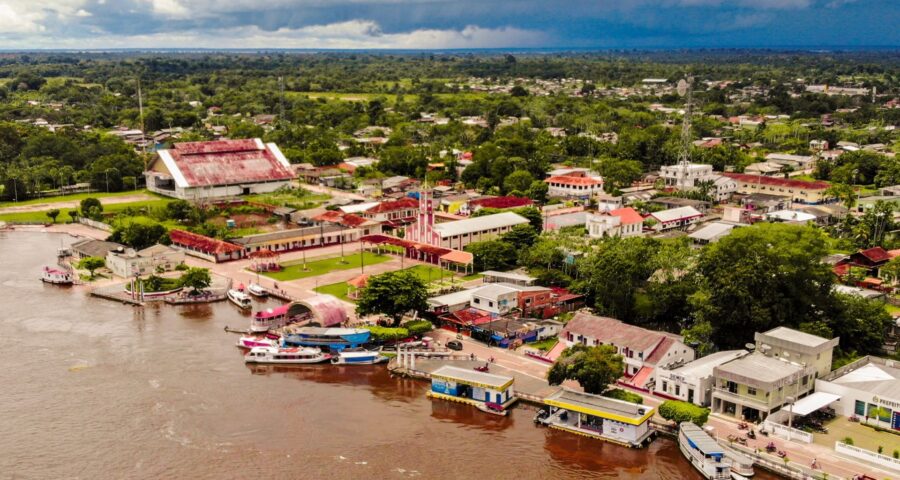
(272, 312)
(701, 441)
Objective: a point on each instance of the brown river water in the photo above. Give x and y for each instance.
(93, 389)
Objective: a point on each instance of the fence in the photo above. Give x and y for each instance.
(777, 465)
(95, 224)
(789, 433)
(867, 456)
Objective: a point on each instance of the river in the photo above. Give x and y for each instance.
(95, 389)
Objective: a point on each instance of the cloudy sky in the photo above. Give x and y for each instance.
(444, 24)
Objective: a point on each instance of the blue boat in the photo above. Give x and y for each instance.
(357, 356)
(332, 339)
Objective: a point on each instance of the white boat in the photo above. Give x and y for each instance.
(57, 276)
(239, 298)
(286, 355)
(704, 452)
(252, 341)
(358, 357)
(257, 290)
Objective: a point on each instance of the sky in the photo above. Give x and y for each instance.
(447, 24)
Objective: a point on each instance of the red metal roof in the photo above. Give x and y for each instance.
(345, 219)
(628, 215)
(876, 254)
(227, 162)
(202, 243)
(393, 205)
(609, 330)
(501, 202)
(565, 180)
(778, 182)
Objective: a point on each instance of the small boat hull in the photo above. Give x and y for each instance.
(240, 299)
(358, 358)
(257, 290)
(484, 408)
(249, 342)
(286, 356)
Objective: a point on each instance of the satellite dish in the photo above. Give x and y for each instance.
(750, 347)
(682, 87)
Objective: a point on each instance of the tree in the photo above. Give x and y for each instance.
(594, 368)
(393, 294)
(520, 180)
(179, 209)
(844, 193)
(879, 414)
(196, 278)
(53, 214)
(74, 215)
(493, 254)
(537, 191)
(139, 232)
(678, 411)
(859, 322)
(518, 91)
(619, 173)
(91, 208)
(760, 277)
(520, 236)
(91, 264)
(611, 275)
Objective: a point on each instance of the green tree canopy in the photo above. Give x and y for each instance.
(139, 232)
(393, 294)
(91, 264)
(594, 368)
(196, 278)
(678, 411)
(493, 255)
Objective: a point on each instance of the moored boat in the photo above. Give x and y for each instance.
(703, 452)
(252, 341)
(286, 355)
(57, 276)
(239, 298)
(334, 339)
(257, 290)
(358, 357)
(272, 318)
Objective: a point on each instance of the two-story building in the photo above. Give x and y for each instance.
(782, 369)
(495, 298)
(643, 350)
(155, 259)
(621, 222)
(800, 191)
(574, 185)
(693, 381)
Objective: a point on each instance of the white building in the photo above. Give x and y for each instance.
(223, 168)
(622, 222)
(572, 186)
(495, 298)
(459, 233)
(688, 177)
(693, 382)
(675, 218)
(863, 385)
(150, 260)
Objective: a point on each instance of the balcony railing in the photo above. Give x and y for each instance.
(743, 399)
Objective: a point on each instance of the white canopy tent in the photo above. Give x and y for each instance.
(811, 403)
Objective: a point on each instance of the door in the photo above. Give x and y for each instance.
(690, 395)
(500, 399)
(487, 396)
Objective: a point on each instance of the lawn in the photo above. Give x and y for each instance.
(73, 197)
(544, 345)
(892, 309)
(290, 199)
(41, 216)
(294, 269)
(430, 273)
(339, 290)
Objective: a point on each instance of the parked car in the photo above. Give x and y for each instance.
(455, 345)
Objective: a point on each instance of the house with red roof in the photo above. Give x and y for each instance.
(800, 191)
(574, 185)
(218, 169)
(349, 221)
(392, 212)
(621, 222)
(204, 247)
(642, 350)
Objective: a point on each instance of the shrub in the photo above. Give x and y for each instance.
(387, 334)
(418, 327)
(625, 395)
(677, 411)
(896, 453)
(880, 449)
(848, 440)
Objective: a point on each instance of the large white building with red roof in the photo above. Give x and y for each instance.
(217, 169)
(574, 185)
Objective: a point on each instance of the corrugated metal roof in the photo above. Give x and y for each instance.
(225, 162)
(479, 224)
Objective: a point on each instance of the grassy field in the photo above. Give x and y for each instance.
(430, 273)
(74, 197)
(544, 345)
(41, 216)
(294, 270)
(300, 202)
(338, 290)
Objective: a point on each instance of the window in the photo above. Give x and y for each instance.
(859, 408)
(665, 386)
(677, 390)
(751, 391)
